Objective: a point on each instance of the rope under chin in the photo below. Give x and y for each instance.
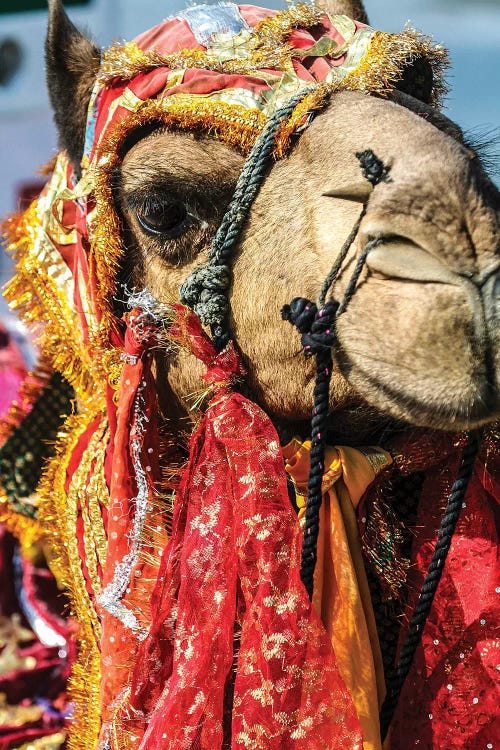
(206, 291)
(432, 578)
(317, 326)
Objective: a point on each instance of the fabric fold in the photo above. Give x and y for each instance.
(341, 595)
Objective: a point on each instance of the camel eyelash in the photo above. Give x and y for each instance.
(484, 143)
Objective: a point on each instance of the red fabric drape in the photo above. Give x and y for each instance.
(233, 562)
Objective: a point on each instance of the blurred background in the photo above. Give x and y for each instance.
(470, 29)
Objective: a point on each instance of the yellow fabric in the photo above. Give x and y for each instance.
(341, 595)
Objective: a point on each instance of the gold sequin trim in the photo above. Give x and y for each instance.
(86, 483)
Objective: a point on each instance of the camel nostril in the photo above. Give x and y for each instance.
(400, 258)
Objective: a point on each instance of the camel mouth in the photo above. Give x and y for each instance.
(396, 257)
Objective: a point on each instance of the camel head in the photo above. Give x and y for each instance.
(419, 340)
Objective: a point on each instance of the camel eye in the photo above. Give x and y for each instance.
(159, 216)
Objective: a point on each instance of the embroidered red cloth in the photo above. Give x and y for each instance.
(232, 566)
(451, 695)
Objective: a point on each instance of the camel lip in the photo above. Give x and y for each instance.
(400, 258)
(448, 417)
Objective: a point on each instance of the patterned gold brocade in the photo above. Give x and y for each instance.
(376, 457)
(42, 290)
(87, 488)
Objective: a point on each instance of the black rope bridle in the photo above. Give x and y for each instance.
(206, 291)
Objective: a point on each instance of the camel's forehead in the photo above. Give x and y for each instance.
(226, 69)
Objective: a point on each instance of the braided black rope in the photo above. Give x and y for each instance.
(334, 272)
(318, 329)
(429, 588)
(206, 290)
(318, 332)
(374, 170)
(358, 269)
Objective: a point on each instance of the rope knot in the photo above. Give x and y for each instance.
(205, 291)
(317, 326)
(374, 170)
(300, 313)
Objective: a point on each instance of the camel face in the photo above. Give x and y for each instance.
(419, 340)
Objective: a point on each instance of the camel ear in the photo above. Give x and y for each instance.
(72, 61)
(352, 8)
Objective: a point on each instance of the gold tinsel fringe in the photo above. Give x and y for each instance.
(235, 125)
(312, 102)
(34, 293)
(379, 71)
(387, 57)
(58, 523)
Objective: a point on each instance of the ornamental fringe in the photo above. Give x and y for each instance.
(58, 523)
(381, 68)
(235, 125)
(387, 57)
(34, 292)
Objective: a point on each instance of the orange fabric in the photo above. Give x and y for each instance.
(341, 596)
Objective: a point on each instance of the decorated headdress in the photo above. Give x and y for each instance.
(149, 668)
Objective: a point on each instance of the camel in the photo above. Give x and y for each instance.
(439, 210)
(415, 363)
